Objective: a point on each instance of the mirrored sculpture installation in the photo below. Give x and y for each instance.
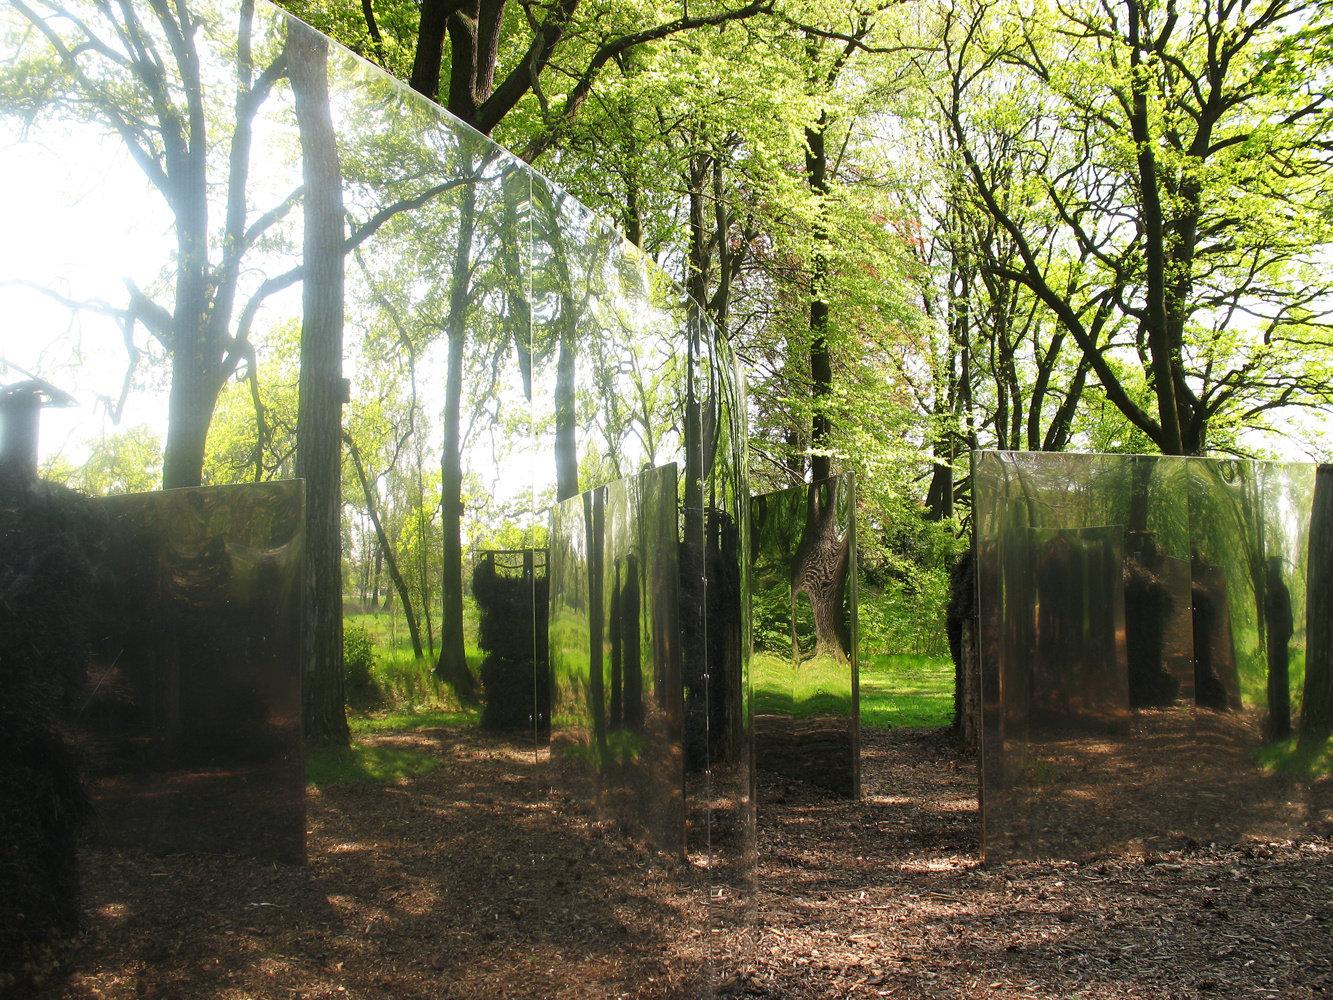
(521, 349)
(1143, 646)
(803, 594)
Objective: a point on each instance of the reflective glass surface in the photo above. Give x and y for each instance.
(505, 348)
(806, 698)
(1140, 618)
(193, 716)
(616, 733)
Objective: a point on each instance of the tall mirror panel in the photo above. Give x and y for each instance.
(192, 720)
(806, 704)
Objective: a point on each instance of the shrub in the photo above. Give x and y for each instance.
(359, 667)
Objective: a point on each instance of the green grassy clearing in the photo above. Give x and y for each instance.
(906, 690)
(397, 679)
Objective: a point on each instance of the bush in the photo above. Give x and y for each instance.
(359, 667)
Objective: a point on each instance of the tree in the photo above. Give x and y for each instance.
(1183, 157)
(141, 79)
(322, 388)
(1317, 702)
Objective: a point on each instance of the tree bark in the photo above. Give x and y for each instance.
(322, 389)
(1317, 705)
(821, 365)
(452, 665)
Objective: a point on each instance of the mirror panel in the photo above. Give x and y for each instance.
(1193, 572)
(192, 721)
(806, 697)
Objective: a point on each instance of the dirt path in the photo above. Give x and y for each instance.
(465, 883)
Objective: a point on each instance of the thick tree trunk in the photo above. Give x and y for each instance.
(1317, 705)
(452, 665)
(322, 389)
(821, 365)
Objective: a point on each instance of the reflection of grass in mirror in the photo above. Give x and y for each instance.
(620, 747)
(359, 762)
(906, 690)
(569, 644)
(1286, 758)
(1253, 670)
(822, 686)
(771, 676)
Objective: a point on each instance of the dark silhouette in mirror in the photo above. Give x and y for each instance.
(193, 719)
(615, 655)
(1132, 698)
(511, 589)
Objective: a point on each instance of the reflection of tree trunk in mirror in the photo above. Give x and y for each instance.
(383, 550)
(1277, 610)
(613, 627)
(1141, 472)
(594, 513)
(819, 570)
(452, 666)
(1208, 596)
(566, 372)
(630, 646)
(516, 291)
(1148, 608)
(1317, 705)
(322, 388)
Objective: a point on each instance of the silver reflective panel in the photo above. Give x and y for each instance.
(193, 716)
(616, 730)
(1143, 642)
(803, 593)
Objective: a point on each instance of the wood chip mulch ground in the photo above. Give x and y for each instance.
(466, 883)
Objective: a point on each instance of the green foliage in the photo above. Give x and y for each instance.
(126, 461)
(396, 680)
(359, 663)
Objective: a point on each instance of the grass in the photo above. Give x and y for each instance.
(906, 690)
(407, 719)
(897, 690)
(401, 681)
(1285, 757)
(361, 762)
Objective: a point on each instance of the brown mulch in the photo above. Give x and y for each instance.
(469, 882)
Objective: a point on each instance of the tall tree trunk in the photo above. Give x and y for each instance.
(566, 364)
(322, 389)
(452, 666)
(1317, 705)
(821, 366)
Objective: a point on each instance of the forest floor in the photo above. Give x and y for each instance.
(461, 883)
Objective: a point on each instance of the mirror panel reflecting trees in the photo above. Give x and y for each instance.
(806, 699)
(505, 350)
(1143, 641)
